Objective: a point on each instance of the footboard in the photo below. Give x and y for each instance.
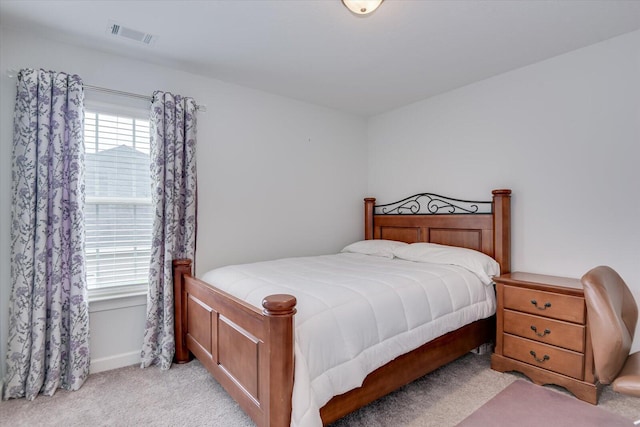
(248, 351)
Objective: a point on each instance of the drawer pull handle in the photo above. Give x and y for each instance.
(546, 331)
(546, 305)
(544, 358)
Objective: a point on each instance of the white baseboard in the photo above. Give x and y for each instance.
(485, 348)
(114, 362)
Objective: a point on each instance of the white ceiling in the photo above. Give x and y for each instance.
(317, 51)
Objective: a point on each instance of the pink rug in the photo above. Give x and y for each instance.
(524, 404)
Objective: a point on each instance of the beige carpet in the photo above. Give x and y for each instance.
(186, 395)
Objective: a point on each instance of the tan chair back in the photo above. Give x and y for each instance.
(612, 316)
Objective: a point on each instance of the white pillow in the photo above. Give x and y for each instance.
(480, 264)
(375, 247)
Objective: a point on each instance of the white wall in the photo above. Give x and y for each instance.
(563, 134)
(277, 177)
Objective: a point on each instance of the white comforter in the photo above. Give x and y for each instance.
(357, 312)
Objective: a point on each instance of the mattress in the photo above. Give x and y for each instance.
(357, 312)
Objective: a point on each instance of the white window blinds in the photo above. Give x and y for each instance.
(118, 214)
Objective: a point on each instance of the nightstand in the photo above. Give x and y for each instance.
(542, 332)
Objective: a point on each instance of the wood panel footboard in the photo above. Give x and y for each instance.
(248, 351)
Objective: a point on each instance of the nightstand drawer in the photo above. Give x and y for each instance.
(547, 304)
(549, 331)
(547, 357)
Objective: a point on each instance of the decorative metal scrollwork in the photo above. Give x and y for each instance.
(433, 204)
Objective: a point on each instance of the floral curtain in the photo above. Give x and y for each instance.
(48, 346)
(173, 174)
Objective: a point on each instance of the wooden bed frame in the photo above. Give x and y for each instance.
(250, 352)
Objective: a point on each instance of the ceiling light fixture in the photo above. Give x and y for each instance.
(362, 7)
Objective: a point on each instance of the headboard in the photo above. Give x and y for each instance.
(426, 217)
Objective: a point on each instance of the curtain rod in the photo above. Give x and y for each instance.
(203, 108)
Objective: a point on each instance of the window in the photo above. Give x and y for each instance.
(118, 214)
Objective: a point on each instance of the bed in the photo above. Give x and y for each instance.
(250, 350)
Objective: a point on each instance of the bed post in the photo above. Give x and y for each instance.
(180, 268)
(502, 228)
(279, 310)
(369, 205)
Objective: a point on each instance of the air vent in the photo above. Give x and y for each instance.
(118, 30)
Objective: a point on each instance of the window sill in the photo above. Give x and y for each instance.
(117, 298)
